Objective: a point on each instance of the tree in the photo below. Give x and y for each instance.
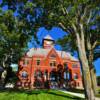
(74, 17)
(15, 32)
(92, 49)
(11, 45)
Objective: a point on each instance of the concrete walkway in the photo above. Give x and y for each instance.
(76, 94)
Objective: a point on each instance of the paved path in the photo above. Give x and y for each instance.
(76, 94)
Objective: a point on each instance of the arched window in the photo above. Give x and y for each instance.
(24, 74)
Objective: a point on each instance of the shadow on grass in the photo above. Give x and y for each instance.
(76, 90)
(37, 92)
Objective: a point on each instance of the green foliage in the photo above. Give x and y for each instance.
(66, 13)
(16, 30)
(67, 43)
(10, 37)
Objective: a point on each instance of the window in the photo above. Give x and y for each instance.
(53, 76)
(78, 84)
(24, 74)
(53, 56)
(39, 74)
(65, 65)
(53, 63)
(25, 62)
(74, 65)
(75, 76)
(38, 62)
(45, 72)
(65, 75)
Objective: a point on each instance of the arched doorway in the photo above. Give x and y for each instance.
(38, 83)
(53, 79)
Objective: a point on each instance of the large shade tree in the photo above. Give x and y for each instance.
(11, 41)
(16, 29)
(92, 49)
(74, 17)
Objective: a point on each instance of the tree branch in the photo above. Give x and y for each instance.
(85, 12)
(62, 25)
(90, 15)
(95, 44)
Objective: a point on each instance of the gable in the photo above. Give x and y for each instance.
(53, 54)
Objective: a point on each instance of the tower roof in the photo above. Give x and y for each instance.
(48, 37)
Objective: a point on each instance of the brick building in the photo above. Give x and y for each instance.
(48, 68)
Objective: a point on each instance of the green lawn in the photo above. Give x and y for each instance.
(98, 95)
(35, 95)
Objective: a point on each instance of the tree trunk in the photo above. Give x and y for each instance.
(94, 81)
(89, 93)
(92, 72)
(3, 76)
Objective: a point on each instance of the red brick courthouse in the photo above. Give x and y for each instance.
(48, 68)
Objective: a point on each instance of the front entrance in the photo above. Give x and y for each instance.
(38, 79)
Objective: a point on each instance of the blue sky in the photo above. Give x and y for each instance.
(57, 33)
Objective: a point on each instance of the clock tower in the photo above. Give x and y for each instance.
(48, 42)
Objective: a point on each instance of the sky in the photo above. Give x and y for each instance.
(57, 33)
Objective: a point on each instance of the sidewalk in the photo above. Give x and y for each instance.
(76, 94)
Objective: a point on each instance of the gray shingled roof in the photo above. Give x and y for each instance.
(67, 55)
(44, 52)
(38, 51)
(63, 54)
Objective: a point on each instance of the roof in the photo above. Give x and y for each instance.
(67, 55)
(63, 54)
(44, 52)
(48, 37)
(38, 51)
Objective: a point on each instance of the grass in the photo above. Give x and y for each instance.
(82, 91)
(98, 95)
(77, 90)
(36, 95)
